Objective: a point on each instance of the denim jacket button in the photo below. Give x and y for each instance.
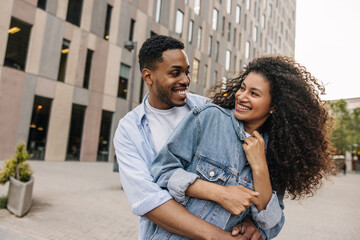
(212, 173)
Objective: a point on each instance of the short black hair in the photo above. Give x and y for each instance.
(151, 51)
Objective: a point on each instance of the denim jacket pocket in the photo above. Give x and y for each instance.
(246, 182)
(212, 171)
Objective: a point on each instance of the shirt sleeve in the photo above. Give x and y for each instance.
(143, 194)
(270, 220)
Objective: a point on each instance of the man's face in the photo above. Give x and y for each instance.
(170, 80)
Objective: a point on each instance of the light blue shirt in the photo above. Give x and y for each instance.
(135, 152)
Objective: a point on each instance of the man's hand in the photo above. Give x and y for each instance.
(236, 199)
(248, 230)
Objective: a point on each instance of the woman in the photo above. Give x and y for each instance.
(267, 130)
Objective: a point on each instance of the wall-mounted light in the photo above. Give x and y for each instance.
(14, 30)
(65, 50)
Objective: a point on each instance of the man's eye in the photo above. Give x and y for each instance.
(175, 74)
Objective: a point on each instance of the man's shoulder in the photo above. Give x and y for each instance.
(197, 100)
(211, 108)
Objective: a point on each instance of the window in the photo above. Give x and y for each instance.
(217, 51)
(248, 3)
(195, 71)
(104, 138)
(107, 22)
(223, 26)
(123, 80)
(229, 32)
(238, 14)
(264, 4)
(75, 134)
(247, 50)
(36, 143)
(17, 45)
(279, 43)
(74, 12)
(255, 34)
(197, 5)
(199, 38)
(215, 77)
(227, 60)
(190, 33)
(206, 82)
(87, 68)
(158, 11)
(132, 26)
(215, 19)
(179, 22)
(41, 4)
(263, 21)
(269, 48)
(234, 42)
(270, 10)
(63, 60)
(210, 46)
(228, 6)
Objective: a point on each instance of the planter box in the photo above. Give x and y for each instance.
(20, 196)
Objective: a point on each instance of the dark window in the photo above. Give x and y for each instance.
(63, 60)
(223, 26)
(42, 4)
(103, 149)
(131, 33)
(87, 68)
(107, 22)
(75, 134)
(123, 80)
(38, 127)
(17, 45)
(74, 11)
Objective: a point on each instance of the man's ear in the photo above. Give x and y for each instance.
(147, 76)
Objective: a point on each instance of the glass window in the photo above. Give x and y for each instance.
(75, 134)
(199, 38)
(279, 43)
(234, 42)
(210, 46)
(206, 82)
(217, 51)
(63, 60)
(227, 61)
(107, 22)
(255, 34)
(197, 6)
(270, 10)
(269, 48)
(179, 22)
(17, 45)
(74, 11)
(195, 71)
(215, 19)
(190, 33)
(132, 26)
(228, 6)
(229, 32)
(248, 4)
(87, 68)
(223, 26)
(263, 21)
(104, 139)
(36, 143)
(215, 76)
(238, 14)
(123, 80)
(158, 11)
(41, 4)
(247, 50)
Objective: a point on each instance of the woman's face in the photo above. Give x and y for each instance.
(252, 101)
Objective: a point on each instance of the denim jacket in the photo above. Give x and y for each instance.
(207, 144)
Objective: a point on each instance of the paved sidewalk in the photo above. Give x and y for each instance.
(78, 200)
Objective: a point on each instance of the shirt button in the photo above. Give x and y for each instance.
(212, 173)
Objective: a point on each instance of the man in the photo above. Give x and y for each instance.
(143, 131)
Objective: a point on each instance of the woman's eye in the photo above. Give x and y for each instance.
(254, 94)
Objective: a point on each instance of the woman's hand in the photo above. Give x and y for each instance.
(236, 199)
(254, 148)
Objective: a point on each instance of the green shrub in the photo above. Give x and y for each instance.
(17, 166)
(3, 202)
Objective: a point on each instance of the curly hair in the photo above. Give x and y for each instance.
(152, 49)
(298, 147)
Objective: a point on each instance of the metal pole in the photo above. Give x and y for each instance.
(132, 79)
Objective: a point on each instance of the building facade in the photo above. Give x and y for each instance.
(65, 73)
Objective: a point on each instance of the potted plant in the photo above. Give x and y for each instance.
(17, 171)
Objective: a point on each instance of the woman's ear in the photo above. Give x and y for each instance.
(147, 76)
(272, 110)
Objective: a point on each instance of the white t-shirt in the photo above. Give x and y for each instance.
(163, 122)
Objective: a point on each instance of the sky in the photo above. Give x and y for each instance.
(327, 43)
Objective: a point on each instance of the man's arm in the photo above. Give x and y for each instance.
(147, 198)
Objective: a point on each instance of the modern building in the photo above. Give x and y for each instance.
(66, 66)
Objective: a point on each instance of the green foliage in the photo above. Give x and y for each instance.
(346, 133)
(3, 202)
(17, 166)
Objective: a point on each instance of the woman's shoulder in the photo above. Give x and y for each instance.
(211, 108)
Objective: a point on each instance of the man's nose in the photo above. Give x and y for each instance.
(185, 79)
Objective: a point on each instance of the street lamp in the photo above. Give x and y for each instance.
(131, 45)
